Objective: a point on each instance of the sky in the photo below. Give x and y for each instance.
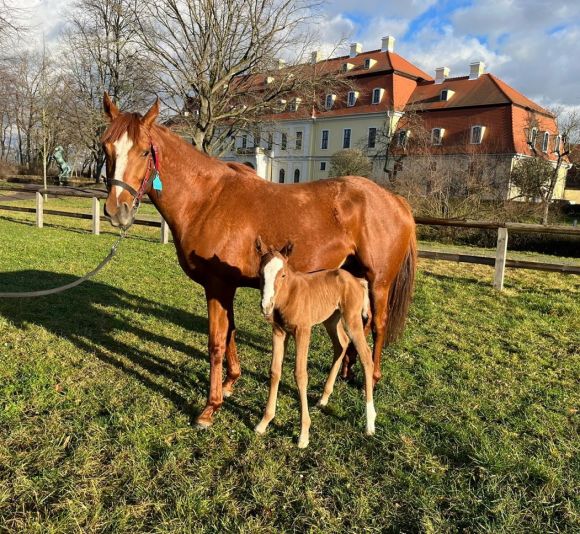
(533, 45)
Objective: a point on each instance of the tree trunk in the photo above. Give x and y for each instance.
(545, 211)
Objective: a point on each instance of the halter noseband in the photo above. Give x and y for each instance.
(152, 163)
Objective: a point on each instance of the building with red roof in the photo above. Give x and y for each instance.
(396, 113)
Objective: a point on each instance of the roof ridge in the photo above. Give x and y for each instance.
(498, 82)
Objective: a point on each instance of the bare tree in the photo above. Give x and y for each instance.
(350, 162)
(101, 56)
(217, 62)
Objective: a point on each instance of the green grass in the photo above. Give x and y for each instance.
(477, 427)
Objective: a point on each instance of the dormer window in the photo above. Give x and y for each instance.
(545, 141)
(377, 95)
(294, 104)
(437, 136)
(477, 134)
(351, 98)
(446, 95)
(369, 63)
(347, 66)
(329, 101)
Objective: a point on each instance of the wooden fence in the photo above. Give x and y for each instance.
(500, 262)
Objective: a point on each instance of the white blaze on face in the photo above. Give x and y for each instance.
(122, 147)
(271, 269)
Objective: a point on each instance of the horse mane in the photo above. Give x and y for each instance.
(129, 123)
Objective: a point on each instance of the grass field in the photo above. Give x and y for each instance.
(477, 427)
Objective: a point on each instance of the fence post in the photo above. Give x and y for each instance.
(500, 257)
(96, 216)
(164, 232)
(39, 210)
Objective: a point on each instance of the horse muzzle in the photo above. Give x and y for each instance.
(123, 216)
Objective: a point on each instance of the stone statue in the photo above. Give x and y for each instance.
(65, 168)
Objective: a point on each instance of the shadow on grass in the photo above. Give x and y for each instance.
(94, 318)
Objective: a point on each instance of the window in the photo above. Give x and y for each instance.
(437, 136)
(323, 165)
(329, 101)
(284, 142)
(376, 96)
(372, 137)
(281, 176)
(545, 141)
(346, 138)
(297, 176)
(367, 63)
(298, 140)
(351, 99)
(402, 137)
(444, 94)
(533, 137)
(294, 104)
(477, 134)
(324, 143)
(244, 141)
(270, 141)
(557, 141)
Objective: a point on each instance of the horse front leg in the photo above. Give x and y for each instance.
(233, 370)
(218, 334)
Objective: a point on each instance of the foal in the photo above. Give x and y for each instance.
(294, 302)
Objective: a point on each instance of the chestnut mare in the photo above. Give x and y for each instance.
(216, 209)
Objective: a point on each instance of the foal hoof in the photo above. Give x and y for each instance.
(227, 393)
(302, 444)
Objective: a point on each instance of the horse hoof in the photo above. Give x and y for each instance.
(202, 425)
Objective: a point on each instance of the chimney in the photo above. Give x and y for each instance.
(476, 69)
(355, 48)
(281, 64)
(441, 74)
(388, 44)
(315, 57)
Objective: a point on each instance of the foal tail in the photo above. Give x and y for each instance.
(401, 293)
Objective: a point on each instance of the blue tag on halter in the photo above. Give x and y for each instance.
(157, 184)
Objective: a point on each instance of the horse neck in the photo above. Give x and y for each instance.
(184, 187)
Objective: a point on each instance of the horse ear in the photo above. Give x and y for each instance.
(151, 115)
(287, 249)
(109, 107)
(259, 246)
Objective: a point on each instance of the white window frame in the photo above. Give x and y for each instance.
(546, 142)
(322, 147)
(344, 138)
(332, 98)
(244, 141)
(378, 90)
(557, 143)
(440, 137)
(374, 138)
(284, 141)
(533, 136)
(298, 141)
(482, 133)
(354, 96)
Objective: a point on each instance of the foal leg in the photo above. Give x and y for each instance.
(357, 335)
(218, 331)
(278, 351)
(340, 343)
(233, 370)
(301, 375)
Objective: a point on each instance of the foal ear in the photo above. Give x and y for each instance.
(287, 249)
(109, 107)
(151, 115)
(259, 246)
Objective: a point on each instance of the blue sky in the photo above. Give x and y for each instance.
(531, 44)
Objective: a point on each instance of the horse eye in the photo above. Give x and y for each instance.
(145, 153)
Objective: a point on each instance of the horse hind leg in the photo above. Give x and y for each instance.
(233, 369)
(379, 322)
(340, 343)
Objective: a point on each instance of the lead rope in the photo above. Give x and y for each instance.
(79, 281)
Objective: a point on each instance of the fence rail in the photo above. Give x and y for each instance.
(499, 262)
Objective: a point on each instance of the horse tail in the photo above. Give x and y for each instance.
(401, 293)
